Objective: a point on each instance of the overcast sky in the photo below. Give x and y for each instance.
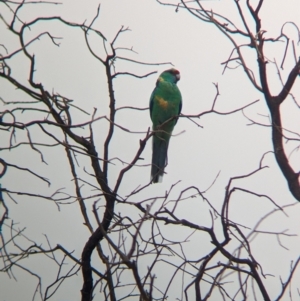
(229, 145)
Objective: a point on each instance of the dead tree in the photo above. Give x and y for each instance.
(244, 30)
(129, 252)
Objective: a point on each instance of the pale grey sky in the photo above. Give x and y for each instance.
(225, 144)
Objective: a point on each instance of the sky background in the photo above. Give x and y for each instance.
(228, 145)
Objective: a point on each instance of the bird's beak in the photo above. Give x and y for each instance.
(178, 76)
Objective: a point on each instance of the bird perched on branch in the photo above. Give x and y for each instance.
(165, 106)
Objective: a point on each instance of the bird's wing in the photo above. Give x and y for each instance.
(151, 104)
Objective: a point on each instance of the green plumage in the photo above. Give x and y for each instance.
(165, 105)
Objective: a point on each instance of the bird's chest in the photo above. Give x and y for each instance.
(163, 104)
(163, 110)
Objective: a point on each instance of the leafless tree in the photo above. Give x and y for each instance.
(245, 31)
(128, 253)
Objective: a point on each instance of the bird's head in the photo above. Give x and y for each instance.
(170, 75)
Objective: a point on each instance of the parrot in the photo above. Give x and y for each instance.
(165, 106)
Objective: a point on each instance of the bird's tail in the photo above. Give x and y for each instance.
(159, 158)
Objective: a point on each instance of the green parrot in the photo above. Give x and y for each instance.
(165, 105)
